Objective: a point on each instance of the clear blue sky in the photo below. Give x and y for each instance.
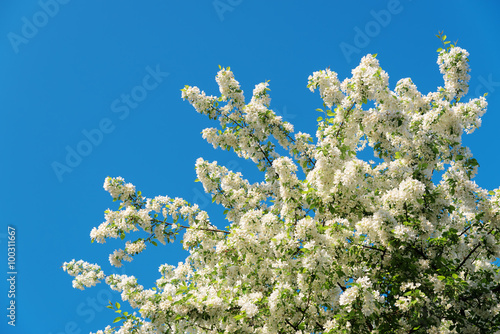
(67, 71)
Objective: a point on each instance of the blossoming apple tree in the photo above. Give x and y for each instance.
(350, 246)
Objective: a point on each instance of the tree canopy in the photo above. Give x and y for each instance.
(328, 242)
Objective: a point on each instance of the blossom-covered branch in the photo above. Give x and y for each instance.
(347, 246)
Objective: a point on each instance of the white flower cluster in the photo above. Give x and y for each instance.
(454, 65)
(135, 247)
(118, 256)
(131, 249)
(230, 89)
(247, 128)
(362, 289)
(329, 86)
(470, 113)
(340, 246)
(247, 303)
(368, 82)
(121, 221)
(260, 94)
(86, 274)
(118, 189)
(199, 100)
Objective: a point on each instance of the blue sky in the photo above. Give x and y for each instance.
(68, 68)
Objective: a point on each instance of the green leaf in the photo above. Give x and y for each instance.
(473, 162)
(239, 316)
(122, 236)
(455, 276)
(320, 110)
(398, 155)
(117, 319)
(319, 119)
(117, 305)
(154, 242)
(441, 278)
(491, 192)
